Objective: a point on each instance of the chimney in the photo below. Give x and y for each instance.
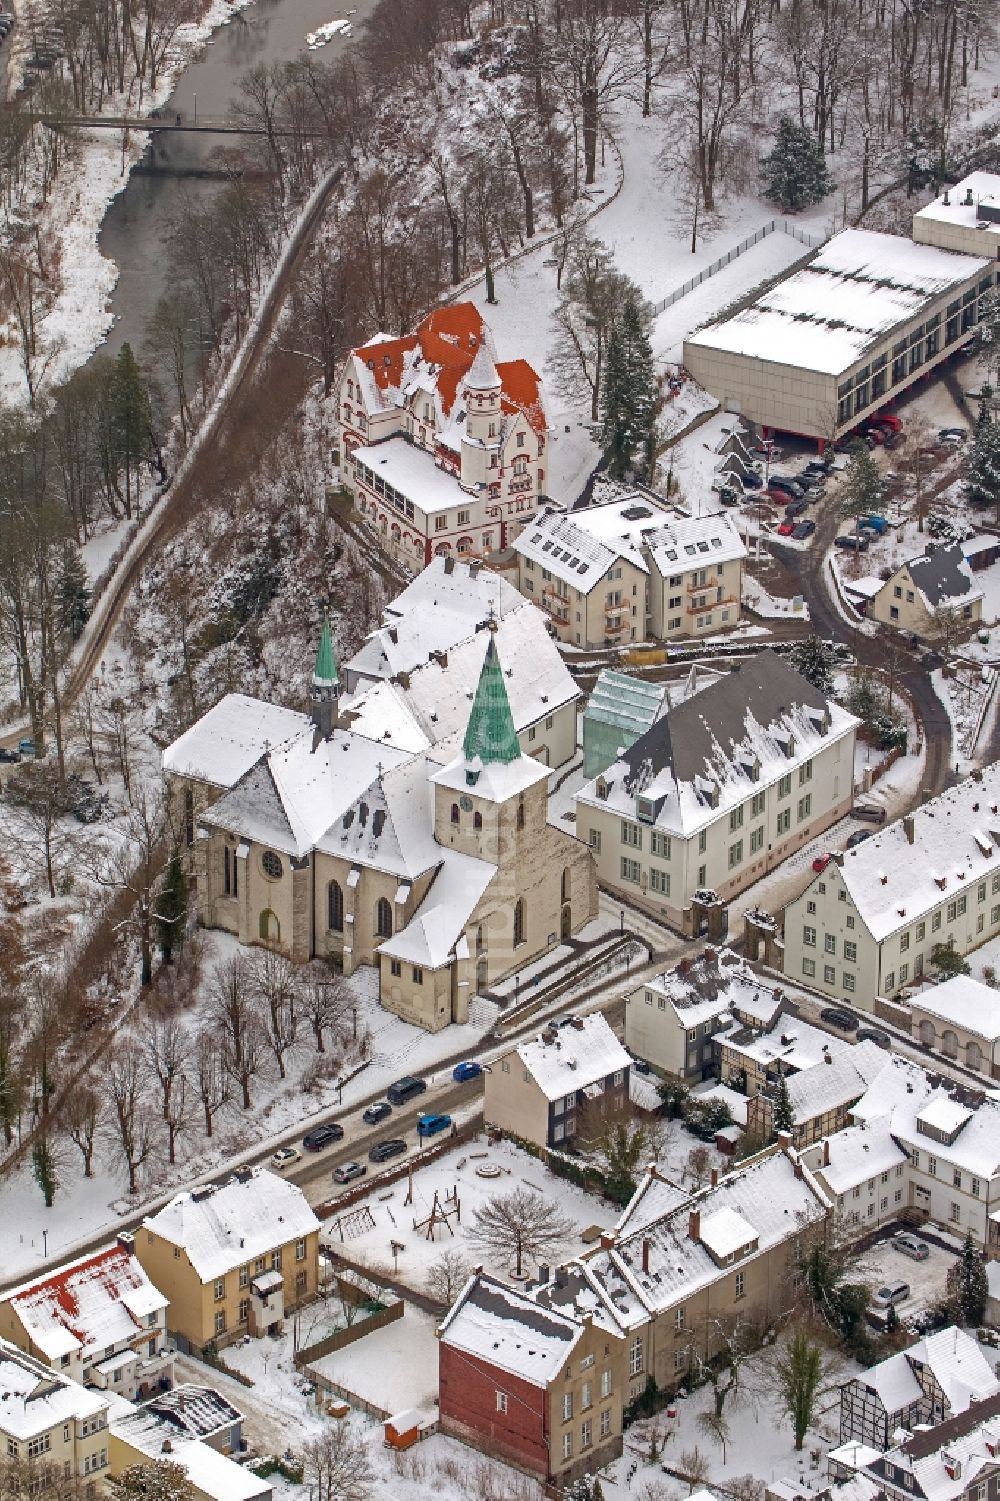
(715, 1177)
(784, 1140)
(449, 565)
(608, 1239)
(694, 1224)
(968, 198)
(797, 1167)
(126, 1241)
(908, 828)
(709, 956)
(827, 1056)
(474, 569)
(166, 1447)
(826, 1151)
(578, 1023)
(543, 1273)
(645, 1254)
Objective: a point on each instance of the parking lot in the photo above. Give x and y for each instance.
(884, 1263)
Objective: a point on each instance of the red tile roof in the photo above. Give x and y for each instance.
(522, 391)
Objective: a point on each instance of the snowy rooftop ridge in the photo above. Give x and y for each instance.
(581, 1054)
(900, 1097)
(89, 1304)
(855, 1154)
(34, 1398)
(223, 1227)
(510, 1330)
(566, 547)
(966, 1003)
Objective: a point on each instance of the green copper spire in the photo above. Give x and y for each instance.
(490, 734)
(326, 670)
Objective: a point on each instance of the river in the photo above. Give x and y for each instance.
(135, 228)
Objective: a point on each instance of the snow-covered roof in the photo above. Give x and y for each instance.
(34, 1398)
(899, 1098)
(965, 1002)
(796, 1043)
(737, 1102)
(858, 288)
(827, 1086)
(853, 1455)
(956, 843)
(509, 1330)
(716, 982)
(231, 737)
(565, 546)
(412, 473)
(959, 1366)
(87, 1305)
(442, 606)
(694, 542)
(584, 1052)
(726, 1231)
(709, 753)
(978, 188)
(226, 1225)
(432, 932)
(209, 1472)
(198, 1411)
(943, 1462)
(766, 1192)
(894, 1382)
(944, 1115)
(941, 576)
(495, 780)
(857, 1154)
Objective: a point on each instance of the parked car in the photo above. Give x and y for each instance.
(893, 440)
(465, 1071)
(431, 1125)
(640, 1066)
(786, 528)
(405, 1089)
(890, 420)
(752, 480)
(378, 1112)
(795, 508)
(348, 1171)
(891, 1294)
(851, 543)
(322, 1136)
(26, 747)
(820, 863)
(874, 524)
(870, 812)
(953, 433)
(838, 1016)
(912, 1246)
(858, 837)
(383, 1150)
(803, 530)
(9, 756)
(284, 1157)
(785, 482)
(872, 1034)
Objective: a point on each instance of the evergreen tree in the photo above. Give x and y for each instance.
(171, 908)
(131, 416)
(74, 595)
(629, 395)
(967, 1285)
(816, 660)
(795, 172)
(863, 491)
(948, 961)
(44, 1168)
(800, 1368)
(783, 1114)
(983, 479)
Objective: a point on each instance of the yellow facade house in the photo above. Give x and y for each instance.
(50, 1424)
(232, 1258)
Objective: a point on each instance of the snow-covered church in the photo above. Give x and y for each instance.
(437, 865)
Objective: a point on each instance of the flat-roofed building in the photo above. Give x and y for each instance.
(832, 343)
(965, 218)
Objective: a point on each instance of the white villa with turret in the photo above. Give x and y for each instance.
(442, 449)
(437, 865)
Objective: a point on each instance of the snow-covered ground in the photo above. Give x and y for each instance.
(927, 1279)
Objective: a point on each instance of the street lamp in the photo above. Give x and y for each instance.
(621, 922)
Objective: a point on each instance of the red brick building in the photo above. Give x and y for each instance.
(535, 1386)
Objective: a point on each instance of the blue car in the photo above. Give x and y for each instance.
(463, 1071)
(430, 1125)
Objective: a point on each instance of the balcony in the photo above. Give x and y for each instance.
(711, 604)
(556, 604)
(712, 583)
(616, 627)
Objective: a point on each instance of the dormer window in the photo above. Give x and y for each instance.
(471, 776)
(602, 789)
(645, 809)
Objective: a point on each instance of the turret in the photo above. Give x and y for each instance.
(325, 693)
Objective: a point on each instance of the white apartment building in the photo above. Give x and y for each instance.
(868, 924)
(720, 790)
(442, 449)
(50, 1423)
(865, 1175)
(615, 573)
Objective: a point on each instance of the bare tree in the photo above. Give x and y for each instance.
(134, 866)
(699, 1165)
(325, 1001)
(167, 1048)
(129, 1126)
(446, 1276)
(337, 1465)
(276, 989)
(232, 1006)
(210, 1077)
(35, 823)
(82, 1117)
(176, 1116)
(520, 1224)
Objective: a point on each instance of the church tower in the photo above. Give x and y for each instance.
(483, 421)
(325, 693)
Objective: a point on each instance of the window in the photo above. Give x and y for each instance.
(850, 952)
(220, 1321)
(418, 975)
(519, 930)
(931, 1165)
(921, 931)
(276, 1260)
(631, 870)
(809, 968)
(258, 1266)
(300, 1249)
(956, 1177)
(567, 1446)
(587, 1396)
(501, 1401)
(848, 980)
(271, 865)
(635, 1356)
(829, 943)
(757, 804)
(456, 816)
(805, 773)
(904, 942)
(735, 853)
(244, 1310)
(335, 907)
(784, 821)
(594, 840)
(659, 880)
(805, 807)
(40, 1444)
(605, 1422)
(440, 523)
(219, 1288)
(395, 968)
(829, 975)
(659, 845)
(756, 839)
(679, 1318)
(702, 841)
(955, 1214)
(736, 820)
(586, 1430)
(740, 1284)
(809, 937)
(383, 918)
(567, 1406)
(890, 981)
(631, 834)
(606, 1383)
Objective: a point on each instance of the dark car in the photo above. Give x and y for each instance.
(795, 508)
(859, 837)
(640, 1065)
(322, 1136)
(803, 530)
(838, 1017)
(872, 1034)
(405, 1089)
(383, 1150)
(752, 480)
(851, 543)
(784, 482)
(9, 755)
(375, 1113)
